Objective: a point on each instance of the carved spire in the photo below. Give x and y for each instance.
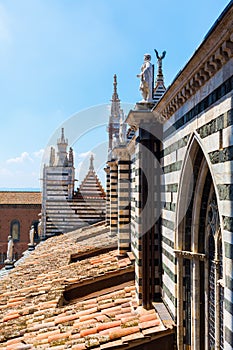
(115, 107)
(159, 60)
(115, 97)
(52, 157)
(114, 119)
(91, 167)
(62, 135)
(159, 88)
(62, 143)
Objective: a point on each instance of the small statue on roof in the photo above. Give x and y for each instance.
(31, 244)
(39, 228)
(9, 262)
(122, 130)
(146, 75)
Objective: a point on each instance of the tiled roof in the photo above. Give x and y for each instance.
(35, 315)
(11, 197)
(91, 186)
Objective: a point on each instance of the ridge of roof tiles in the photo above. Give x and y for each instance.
(20, 197)
(34, 316)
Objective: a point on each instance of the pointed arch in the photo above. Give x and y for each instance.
(186, 180)
(197, 252)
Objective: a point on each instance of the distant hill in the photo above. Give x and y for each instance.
(27, 189)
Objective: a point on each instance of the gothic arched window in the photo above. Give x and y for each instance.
(215, 275)
(15, 230)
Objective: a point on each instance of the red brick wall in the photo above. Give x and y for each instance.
(25, 214)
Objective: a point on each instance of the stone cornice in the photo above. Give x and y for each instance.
(214, 52)
(136, 117)
(189, 255)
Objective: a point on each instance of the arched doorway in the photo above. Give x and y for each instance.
(199, 257)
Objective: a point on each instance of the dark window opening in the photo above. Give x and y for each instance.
(15, 230)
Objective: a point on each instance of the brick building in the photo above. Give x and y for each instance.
(18, 211)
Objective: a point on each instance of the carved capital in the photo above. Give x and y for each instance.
(121, 153)
(227, 48)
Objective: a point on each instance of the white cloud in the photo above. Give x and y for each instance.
(22, 171)
(84, 155)
(21, 159)
(39, 154)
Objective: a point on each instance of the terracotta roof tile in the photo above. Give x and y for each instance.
(38, 317)
(12, 197)
(149, 324)
(79, 347)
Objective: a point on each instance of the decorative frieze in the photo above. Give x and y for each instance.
(209, 100)
(197, 72)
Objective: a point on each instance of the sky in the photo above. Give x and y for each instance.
(57, 61)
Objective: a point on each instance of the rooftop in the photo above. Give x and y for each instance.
(74, 291)
(18, 197)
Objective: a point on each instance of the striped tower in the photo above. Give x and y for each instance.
(64, 209)
(146, 225)
(58, 187)
(123, 199)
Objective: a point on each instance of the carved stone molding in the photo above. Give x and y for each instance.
(215, 51)
(189, 255)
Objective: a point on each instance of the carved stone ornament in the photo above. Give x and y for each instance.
(146, 79)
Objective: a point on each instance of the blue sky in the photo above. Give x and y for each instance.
(58, 58)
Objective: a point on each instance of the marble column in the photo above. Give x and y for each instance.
(123, 200)
(217, 304)
(180, 301)
(113, 198)
(107, 218)
(196, 304)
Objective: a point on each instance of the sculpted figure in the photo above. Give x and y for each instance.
(122, 131)
(114, 141)
(146, 75)
(31, 235)
(39, 228)
(160, 58)
(9, 254)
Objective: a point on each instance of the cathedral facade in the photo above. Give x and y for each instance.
(170, 191)
(65, 208)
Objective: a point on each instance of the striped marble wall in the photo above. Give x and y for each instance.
(123, 204)
(107, 219)
(208, 115)
(113, 198)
